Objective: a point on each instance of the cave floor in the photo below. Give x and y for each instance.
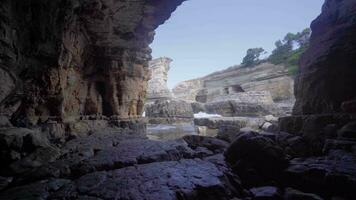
(117, 165)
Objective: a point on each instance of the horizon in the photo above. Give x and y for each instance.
(198, 48)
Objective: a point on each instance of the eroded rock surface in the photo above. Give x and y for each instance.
(327, 72)
(72, 58)
(157, 84)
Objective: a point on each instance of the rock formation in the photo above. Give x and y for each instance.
(327, 71)
(157, 84)
(264, 77)
(64, 60)
(71, 58)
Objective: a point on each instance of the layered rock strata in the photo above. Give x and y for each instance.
(157, 84)
(236, 79)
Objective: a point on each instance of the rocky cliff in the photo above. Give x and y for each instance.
(157, 84)
(264, 77)
(63, 59)
(327, 75)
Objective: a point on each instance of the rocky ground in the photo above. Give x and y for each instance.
(120, 164)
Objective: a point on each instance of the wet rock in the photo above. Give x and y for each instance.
(19, 142)
(39, 190)
(330, 175)
(269, 127)
(348, 131)
(293, 194)
(187, 179)
(330, 52)
(256, 158)
(4, 182)
(198, 107)
(213, 144)
(266, 193)
(333, 144)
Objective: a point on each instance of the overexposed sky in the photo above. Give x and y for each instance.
(203, 36)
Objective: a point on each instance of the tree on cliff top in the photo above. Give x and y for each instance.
(289, 51)
(252, 57)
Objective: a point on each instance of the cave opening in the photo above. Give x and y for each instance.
(237, 65)
(100, 56)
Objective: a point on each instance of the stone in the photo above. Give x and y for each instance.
(331, 52)
(349, 106)
(38, 190)
(334, 144)
(7, 88)
(348, 131)
(188, 90)
(233, 108)
(235, 80)
(69, 75)
(169, 109)
(198, 107)
(213, 144)
(190, 179)
(271, 119)
(5, 122)
(4, 182)
(266, 193)
(253, 151)
(157, 84)
(269, 127)
(18, 142)
(330, 175)
(293, 194)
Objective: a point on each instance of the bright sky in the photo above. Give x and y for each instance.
(203, 36)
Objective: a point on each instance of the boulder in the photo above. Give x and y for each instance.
(348, 131)
(255, 157)
(213, 144)
(271, 119)
(330, 175)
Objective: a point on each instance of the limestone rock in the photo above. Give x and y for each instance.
(77, 58)
(169, 109)
(157, 85)
(234, 80)
(188, 90)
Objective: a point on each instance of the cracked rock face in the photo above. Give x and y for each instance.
(157, 85)
(327, 71)
(75, 58)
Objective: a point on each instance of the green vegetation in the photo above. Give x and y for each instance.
(286, 55)
(252, 57)
(285, 52)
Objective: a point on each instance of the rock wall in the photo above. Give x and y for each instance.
(327, 75)
(188, 90)
(157, 85)
(72, 58)
(264, 77)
